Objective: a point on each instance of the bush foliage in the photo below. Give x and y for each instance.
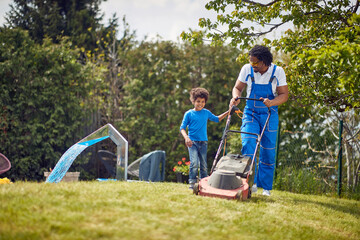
(42, 94)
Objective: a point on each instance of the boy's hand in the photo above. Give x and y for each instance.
(188, 142)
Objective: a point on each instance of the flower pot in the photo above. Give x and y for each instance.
(181, 178)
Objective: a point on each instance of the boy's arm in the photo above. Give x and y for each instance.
(188, 141)
(223, 115)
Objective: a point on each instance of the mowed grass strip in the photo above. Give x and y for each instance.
(140, 210)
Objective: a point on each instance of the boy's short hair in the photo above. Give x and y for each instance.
(198, 93)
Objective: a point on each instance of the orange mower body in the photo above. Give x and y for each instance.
(204, 189)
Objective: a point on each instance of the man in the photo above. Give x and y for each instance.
(267, 82)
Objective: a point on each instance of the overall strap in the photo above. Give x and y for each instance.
(251, 75)
(272, 74)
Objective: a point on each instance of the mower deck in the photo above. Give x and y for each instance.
(204, 189)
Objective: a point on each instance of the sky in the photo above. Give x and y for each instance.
(167, 18)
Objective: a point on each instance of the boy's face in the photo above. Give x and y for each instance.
(199, 104)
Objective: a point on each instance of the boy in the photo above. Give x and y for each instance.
(196, 121)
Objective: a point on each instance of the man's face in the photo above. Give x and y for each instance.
(199, 104)
(257, 64)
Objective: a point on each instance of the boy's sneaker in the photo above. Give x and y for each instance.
(266, 192)
(254, 188)
(191, 186)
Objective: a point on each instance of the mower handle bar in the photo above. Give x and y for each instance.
(235, 131)
(259, 136)
(254, 99)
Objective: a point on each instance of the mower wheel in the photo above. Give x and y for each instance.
(196, 189)
(249, 193)
(239, 195)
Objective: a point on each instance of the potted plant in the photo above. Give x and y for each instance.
(182, 170)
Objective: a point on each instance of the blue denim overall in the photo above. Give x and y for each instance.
(255, 115)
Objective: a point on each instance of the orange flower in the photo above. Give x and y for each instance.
(182, 167)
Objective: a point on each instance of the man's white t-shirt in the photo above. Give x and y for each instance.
(279, 80)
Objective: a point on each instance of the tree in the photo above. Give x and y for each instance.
(44, 97)
(77, 19)
(326, 75)
(320, 56)
(111, 53)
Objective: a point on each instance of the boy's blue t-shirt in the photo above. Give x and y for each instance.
(196, 121)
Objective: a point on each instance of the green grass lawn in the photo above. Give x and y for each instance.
(139, 210)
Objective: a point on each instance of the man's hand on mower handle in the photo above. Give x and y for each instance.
(266, 101)
(234, 101)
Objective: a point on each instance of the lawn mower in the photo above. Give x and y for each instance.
(232, 176)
